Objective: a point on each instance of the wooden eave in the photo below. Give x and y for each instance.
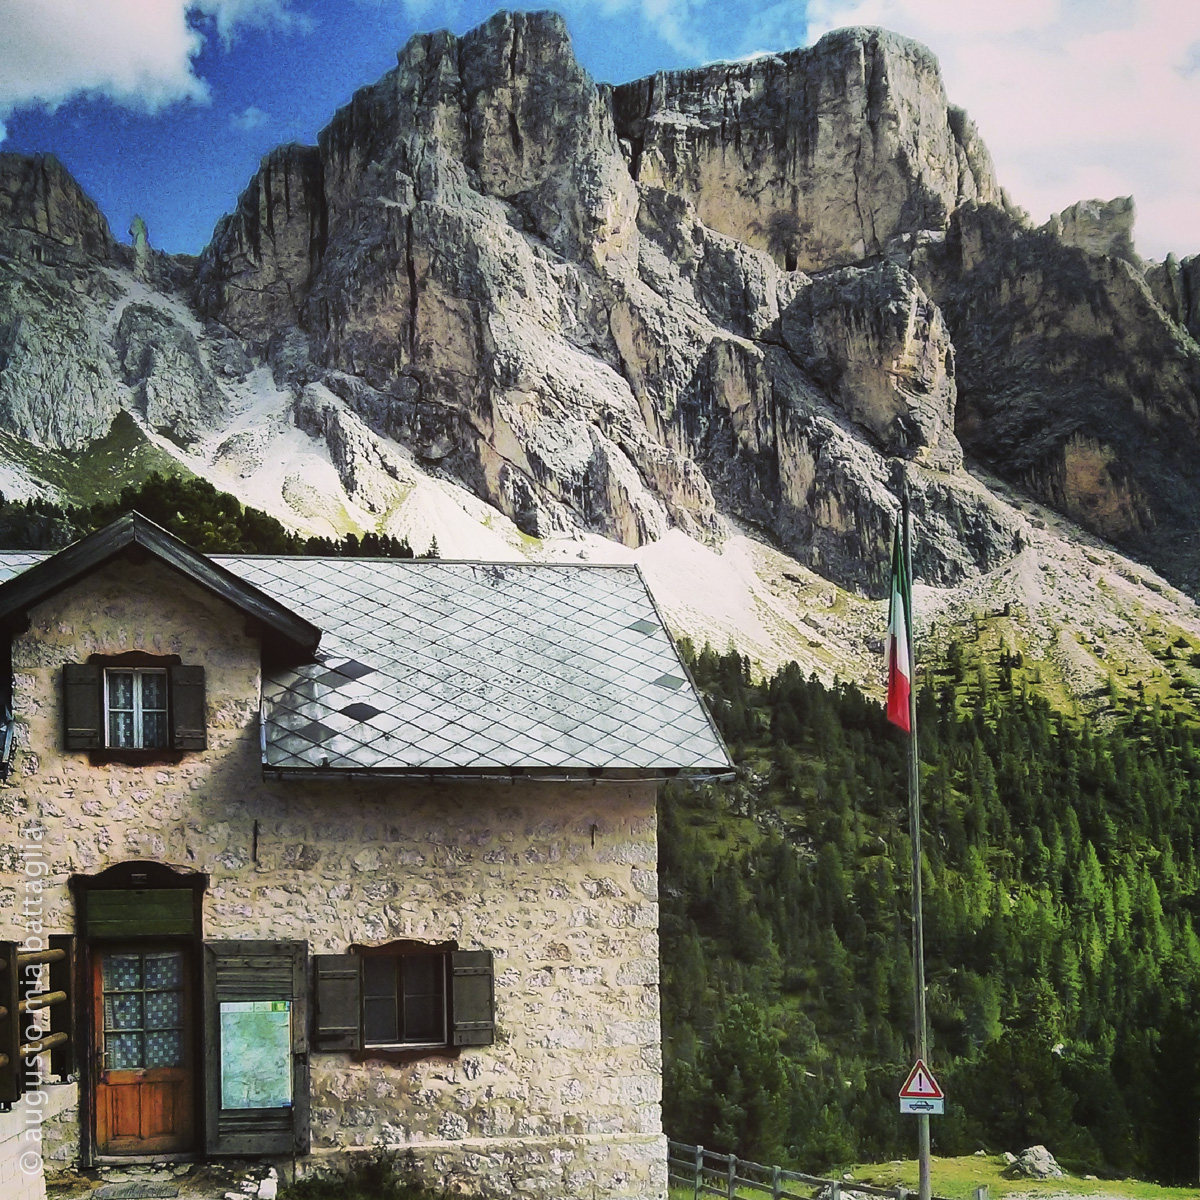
(284, 632)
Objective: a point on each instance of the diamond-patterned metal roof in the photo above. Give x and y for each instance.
(429, 665)
(13, 562)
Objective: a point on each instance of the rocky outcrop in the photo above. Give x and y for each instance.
(466, 260)
(45, 216)
(1103, 228)
(60, 386)
(1175, 285)
(173, 388)
(270, 247)
(76, 349)
(817, 156)
(1072, 380)
(880, 348)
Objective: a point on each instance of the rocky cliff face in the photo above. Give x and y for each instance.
(532, 289)
(820, 156)
(1073, 379)
(763, 293)
(46, 216)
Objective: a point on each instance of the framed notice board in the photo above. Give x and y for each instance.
(256, 1054)
(256, 1047)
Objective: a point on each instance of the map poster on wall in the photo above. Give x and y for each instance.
(256, 1054)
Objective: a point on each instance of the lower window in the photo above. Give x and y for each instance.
(404, 1000)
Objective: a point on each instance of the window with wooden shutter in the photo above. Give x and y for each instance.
(256, 1047)
(134, 707)
(338, 985)
(473, 998)
(404, 1000)
(189, 716)
(83, 706)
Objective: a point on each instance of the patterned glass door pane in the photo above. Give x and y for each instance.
(143, 1009)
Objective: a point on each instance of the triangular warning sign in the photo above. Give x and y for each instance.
(921, 1085)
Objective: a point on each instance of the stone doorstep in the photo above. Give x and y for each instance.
(161, 1181)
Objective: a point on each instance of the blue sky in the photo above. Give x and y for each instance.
(164, 107)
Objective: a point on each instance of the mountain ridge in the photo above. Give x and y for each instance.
(569, 319)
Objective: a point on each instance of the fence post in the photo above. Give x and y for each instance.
(776, 1185)
(981, 1192)
(730, 1186)
(835, 1189)
(699, 1172)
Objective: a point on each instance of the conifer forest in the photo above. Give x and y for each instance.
(1060, 876)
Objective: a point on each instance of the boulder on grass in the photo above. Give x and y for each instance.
(1034, 1163)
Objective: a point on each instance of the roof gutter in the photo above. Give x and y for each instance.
(519, 775)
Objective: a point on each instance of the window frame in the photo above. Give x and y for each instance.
(86, 709)
(138, 709)
(468, 998)
(397, 960)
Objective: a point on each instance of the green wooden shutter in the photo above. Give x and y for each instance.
(189, 713)
(472, 998)
(236, 975)
(338, 985)
(83, 706)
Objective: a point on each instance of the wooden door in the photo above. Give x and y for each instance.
(145, 1074)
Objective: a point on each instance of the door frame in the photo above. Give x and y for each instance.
(125, 876)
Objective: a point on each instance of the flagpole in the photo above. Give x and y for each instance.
(914, 830)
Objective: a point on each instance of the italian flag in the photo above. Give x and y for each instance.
(899, 666)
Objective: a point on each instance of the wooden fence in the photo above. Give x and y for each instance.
(707, 1173)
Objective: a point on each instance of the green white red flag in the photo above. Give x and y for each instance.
(899, 664)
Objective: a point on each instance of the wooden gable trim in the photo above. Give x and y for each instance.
(286, 632)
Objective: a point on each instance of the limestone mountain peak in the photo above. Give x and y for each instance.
(747, 296)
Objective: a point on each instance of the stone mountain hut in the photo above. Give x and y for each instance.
(306, 856)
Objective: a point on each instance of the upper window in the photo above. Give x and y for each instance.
(134, 706)
(136, 703)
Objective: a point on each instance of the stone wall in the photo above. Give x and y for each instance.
(558, 880)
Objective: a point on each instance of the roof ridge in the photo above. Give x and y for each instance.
(417, 562)
(130, 533)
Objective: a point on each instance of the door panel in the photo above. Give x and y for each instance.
(145, 1074)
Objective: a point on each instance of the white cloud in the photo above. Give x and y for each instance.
(136, 53)
(1075, 98)
(680, 24)
(251, 117)
(258, 14)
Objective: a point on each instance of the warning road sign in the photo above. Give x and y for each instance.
(922, 1093)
